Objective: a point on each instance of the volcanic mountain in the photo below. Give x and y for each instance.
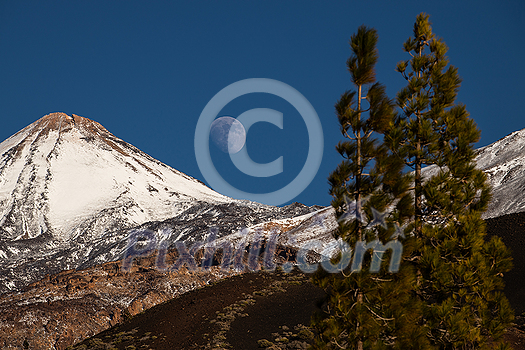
(70, 191)
(64, 174)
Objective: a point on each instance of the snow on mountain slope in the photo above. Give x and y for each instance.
(71, 192)
(504, 163)
(61, 171)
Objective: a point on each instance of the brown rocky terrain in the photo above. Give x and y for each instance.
(238, 312)
(63, 309)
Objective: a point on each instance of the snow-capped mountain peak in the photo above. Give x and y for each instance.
(64, 172)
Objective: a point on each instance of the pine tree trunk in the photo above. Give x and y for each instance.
(359, 342)
(417, 180)
(358, 156)
(417, 185)
(358, 196)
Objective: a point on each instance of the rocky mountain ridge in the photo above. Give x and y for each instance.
(71, 192)
(504, 163)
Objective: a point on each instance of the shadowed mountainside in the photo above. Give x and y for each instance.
(268, 310)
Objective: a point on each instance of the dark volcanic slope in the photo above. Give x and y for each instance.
(195, 320)
(283, 310)
(511, 228)
(235, 313)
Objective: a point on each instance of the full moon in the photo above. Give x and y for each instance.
(228, 134)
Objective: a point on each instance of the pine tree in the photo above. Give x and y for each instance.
(460, 272)
(368, 309)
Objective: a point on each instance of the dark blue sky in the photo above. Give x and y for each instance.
(146, 70)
